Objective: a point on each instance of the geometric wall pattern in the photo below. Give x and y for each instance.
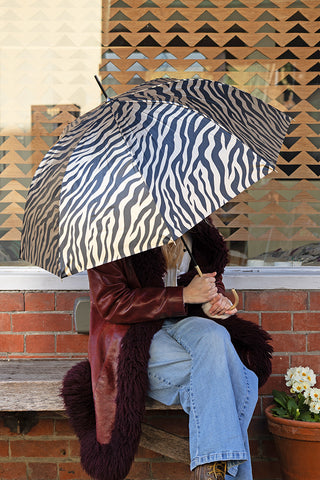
(20, 154)
(49, 53)
(270, 49)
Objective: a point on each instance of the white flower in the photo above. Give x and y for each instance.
(314, 407)
(308, 376)
(314, 394)
(296, 387)
(289, 375)
(300, 379)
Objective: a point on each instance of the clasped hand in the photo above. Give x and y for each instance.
(203, 290)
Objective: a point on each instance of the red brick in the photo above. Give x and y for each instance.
(40, 343)
(314, 342)
(74, 343)
(280, 364)
(167, 471)
(11, 302)
(276, 301)
(11, 343)
(275, 382)
(45, 426)
(146, 453)
(51, 322)
(258, 427)
(314, 300)
(39, 301)
(257, 409)
(72, 471)
(139, 471)
(63, 427)
(5, 322)
(65, 300)
(4, 430)
(289, 342)
(4, 448)
(39, 448)
(312, 361)
(275, 321)
(251, 316)
(74, 448)
(254, 448)
(269, 449)
(13, 471)
(306, 321)
(266, 470)
(266, 401)
(42, 471)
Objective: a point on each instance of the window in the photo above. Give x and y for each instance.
(50, 53)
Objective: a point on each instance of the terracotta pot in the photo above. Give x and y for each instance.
(298, 446)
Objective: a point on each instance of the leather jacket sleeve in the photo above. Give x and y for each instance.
(118, 298)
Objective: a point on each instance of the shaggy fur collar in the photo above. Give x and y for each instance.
(113, 461)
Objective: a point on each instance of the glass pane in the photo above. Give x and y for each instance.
(271, 50)
(50, 52)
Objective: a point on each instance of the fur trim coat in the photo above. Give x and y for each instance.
(105, 396)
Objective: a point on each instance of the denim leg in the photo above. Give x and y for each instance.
(193, 362)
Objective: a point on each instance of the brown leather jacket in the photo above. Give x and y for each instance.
(105, 398)
(119, 298)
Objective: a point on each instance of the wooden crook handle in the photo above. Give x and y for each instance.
(236, 299)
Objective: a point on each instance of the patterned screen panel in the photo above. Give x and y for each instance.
(20, 155)
(270, 49)
(49, 53)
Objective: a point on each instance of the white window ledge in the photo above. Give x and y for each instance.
(240, 278)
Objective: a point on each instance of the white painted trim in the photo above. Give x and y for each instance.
(272, 278)
(35, 278)
(241, 278)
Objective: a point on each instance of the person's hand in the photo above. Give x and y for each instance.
(220, 305)
(200, 289)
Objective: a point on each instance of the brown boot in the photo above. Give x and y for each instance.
(210, 471)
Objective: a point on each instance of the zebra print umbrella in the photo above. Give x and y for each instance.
(143, 168)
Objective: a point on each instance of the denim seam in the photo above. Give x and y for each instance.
(245, 403)
(192, 403)
(233, 457)
(163, 380)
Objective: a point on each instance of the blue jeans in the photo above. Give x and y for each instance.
(193, 362)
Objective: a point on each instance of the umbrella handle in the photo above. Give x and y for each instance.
(236, 296)
(236, 299)
(234, 292)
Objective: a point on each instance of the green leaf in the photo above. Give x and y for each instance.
(280, 397)
(293, 408)
(301, 399)
(316, 417)
(306, 417)
(280, 412)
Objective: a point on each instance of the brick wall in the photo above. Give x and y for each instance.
(40, 324)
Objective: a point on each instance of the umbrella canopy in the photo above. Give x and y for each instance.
(142, 169)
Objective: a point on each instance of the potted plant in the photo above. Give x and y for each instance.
(294, 421)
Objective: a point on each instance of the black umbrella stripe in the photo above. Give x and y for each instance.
(146, 167)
